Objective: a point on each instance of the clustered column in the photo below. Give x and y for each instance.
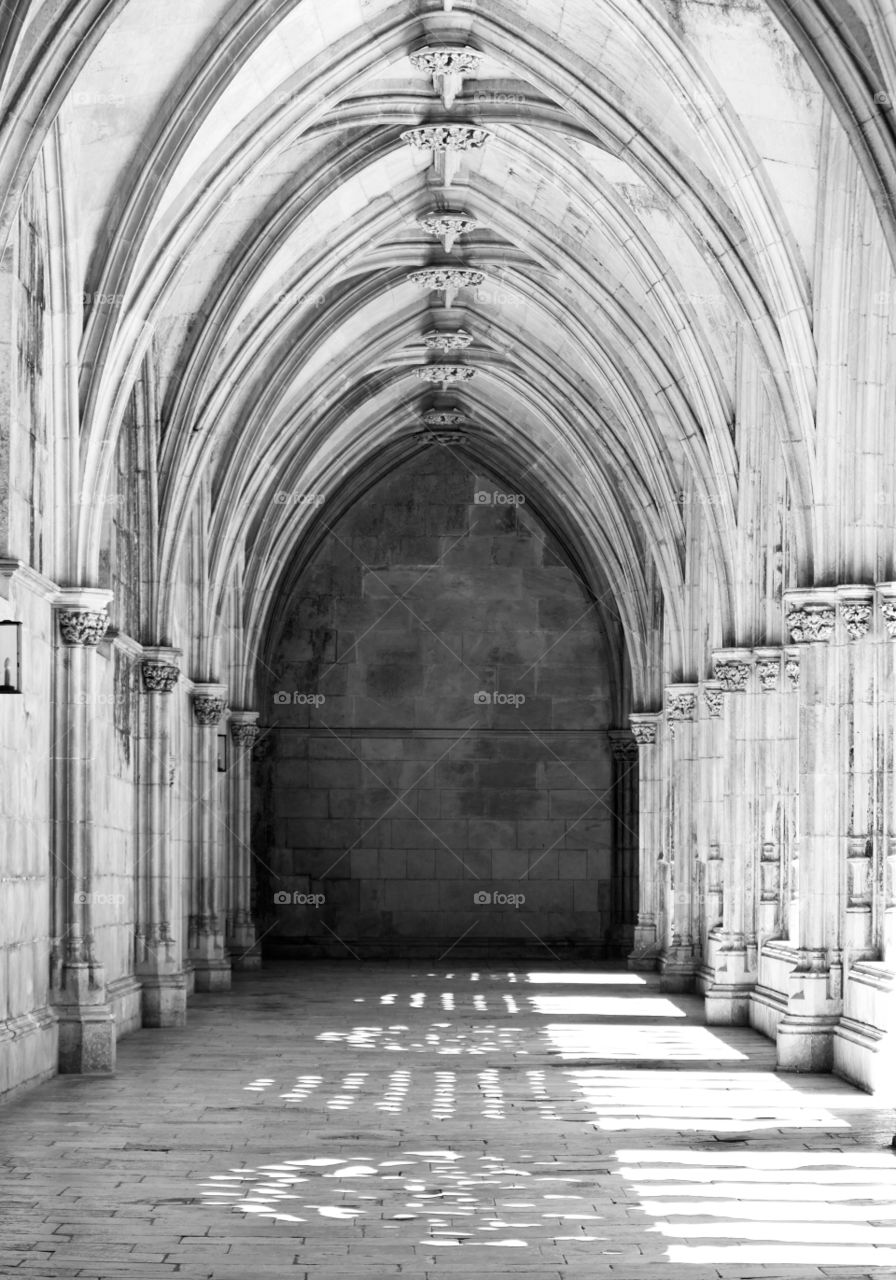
(678, 962)
(241, 939)
(159, 958)
(210, 960)
(645, 731)
(86, 1024)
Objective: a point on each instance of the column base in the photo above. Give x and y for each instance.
(87, 1041)
(211, 975)
(243, 946)
(645, 952)
(731, 983)
(806, 1043)
(164, 1000)
(240, 961)
(678, 971)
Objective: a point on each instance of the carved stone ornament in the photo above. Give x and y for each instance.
(856, 619)
(445, 418)
(715, 702)
(811, 623)
(447, 278)
(244, 735)
(446, 373)
(447, 64)
(444, 436)
(159, 677)
(83, 627)
(644, 732)
(456, 340)
(624, 748)
(447, 226)
(436, 138)
(767, 672)
(208, 710)
(681, 706)
(733, 676)
(888, 613)
(792, 672)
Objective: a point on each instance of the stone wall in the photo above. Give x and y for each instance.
(441, 767)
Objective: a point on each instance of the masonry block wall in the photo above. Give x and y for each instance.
(441, 767)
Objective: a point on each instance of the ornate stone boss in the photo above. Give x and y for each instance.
(445, 144)
(447, 64)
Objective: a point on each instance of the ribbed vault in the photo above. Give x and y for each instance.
(240, 210)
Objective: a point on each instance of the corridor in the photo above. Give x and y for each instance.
(355, 1120)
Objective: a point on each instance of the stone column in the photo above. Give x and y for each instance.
(885, 870)
(709, 816)
(734, 952)
(86, 1022)
(211, 962)
(805, 1032)
(858, 734)
(159, 958)
(645, 726)
(241, 939)
(775, 794)
(678, 964)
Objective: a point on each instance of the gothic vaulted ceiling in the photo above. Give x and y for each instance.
(552, 235)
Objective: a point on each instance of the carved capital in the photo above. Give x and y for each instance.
(888, 613)
(159, 677)
(447, 435)
(714, 697)
(82, 627)
(623, 745)
(244, 735)
(644, 732)
(767, 672)
(209, 705)
(732, 674)
(811, 623)
(856, 619)
(681, 706)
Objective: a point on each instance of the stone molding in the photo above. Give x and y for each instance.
(644, 728)
(768, 668)
(447, 226)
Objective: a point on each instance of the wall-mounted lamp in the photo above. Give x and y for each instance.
(223, 753)
(10, 657)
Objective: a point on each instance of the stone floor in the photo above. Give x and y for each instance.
(371, 1120)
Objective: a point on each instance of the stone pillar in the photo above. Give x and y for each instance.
(734, 951)
(775, 792)
(210, 959)
(885, 869)
(678, 963)
(805, 1032)
(159, 958)
(86, 1023)
(709, 817)
(645, 732)
(241, 939)
(858, 735)
(790, 742)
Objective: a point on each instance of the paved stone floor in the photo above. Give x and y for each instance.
(369, 1120)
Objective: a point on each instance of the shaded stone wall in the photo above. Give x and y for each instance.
(441, 767)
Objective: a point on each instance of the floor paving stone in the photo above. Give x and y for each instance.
(328, 1120)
